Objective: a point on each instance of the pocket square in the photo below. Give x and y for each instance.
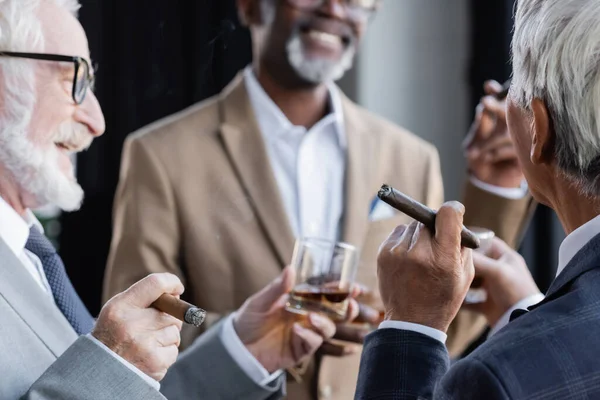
(380, 210)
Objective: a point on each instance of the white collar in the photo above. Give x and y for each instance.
(268, 114)
(575, 241)
(14, 228)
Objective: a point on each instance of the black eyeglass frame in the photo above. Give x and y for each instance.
(77, 61)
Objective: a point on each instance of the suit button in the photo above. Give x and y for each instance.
(325, 392)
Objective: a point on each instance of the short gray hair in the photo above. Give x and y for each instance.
(556, 58)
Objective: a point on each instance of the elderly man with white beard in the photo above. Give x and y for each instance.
(51, 347)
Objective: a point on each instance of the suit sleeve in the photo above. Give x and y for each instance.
(470, 379)
(86, 371)
(207, 370)
(398, 364)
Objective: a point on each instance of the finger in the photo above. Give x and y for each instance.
(160, 320)
(448, 225)
(353, 310)
(349, 333)
(167, 356)
(322, 325)
(495, 143)
(492, 87)
(264, 300)
(407, 238)
(337, 349)
(145, 292)
(485, 267)
(304, 342)
(367, 314)
(503, 154)
(494, 106)
(169, 336)
(499, 248)
(393, 239)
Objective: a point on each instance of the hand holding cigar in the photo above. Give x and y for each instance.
(421, 213)
(180, 309)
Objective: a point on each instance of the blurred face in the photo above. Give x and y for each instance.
(307, 40)
(39, 153)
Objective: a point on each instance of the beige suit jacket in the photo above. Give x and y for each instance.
(197, 197)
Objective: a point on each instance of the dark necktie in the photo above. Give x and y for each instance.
(65, 296)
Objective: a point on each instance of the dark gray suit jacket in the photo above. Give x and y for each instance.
(41, 357)
(550, 352)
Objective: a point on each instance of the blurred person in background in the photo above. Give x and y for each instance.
(547, 350)
(218, 192)
(51, 347)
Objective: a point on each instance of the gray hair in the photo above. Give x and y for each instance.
(556, 58)
(20, 30)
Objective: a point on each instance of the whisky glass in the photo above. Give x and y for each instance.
(325, 273)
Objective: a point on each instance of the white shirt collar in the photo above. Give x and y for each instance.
(271, 119)
(14, 229)
(575, 241)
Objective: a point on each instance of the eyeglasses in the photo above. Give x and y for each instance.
(83, 79)
(356, 9)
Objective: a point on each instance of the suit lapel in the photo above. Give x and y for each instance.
(360, 183)
(246, 148)
(35, 307)
(586, 259)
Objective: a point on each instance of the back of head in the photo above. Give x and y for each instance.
(556, 58)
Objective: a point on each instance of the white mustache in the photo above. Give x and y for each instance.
(74, 135)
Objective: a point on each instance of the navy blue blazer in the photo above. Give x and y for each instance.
(550, 352)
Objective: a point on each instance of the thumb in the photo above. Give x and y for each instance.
(492, 87)
(271, 294)
(145, 292)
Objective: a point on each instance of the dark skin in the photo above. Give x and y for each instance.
(272, 24)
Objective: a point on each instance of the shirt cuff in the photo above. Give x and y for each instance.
(409, 326)
(521, 305)
(150, 381)
(508, 193)
(240, 354)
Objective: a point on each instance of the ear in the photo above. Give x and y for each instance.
(542, 146)
(249, 12)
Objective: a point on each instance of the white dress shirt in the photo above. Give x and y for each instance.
(309, 165)
(570, 246)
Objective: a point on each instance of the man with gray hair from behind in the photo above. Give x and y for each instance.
(50, 345)
(551, 349)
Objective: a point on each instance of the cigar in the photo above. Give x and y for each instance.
(180, 309)
(421, 213)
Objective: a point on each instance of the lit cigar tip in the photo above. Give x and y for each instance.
(195, 316)
(385, 190)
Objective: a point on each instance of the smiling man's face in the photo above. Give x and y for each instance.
(310, 44)
(40, 138)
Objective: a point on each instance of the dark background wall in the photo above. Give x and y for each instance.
(157, 57)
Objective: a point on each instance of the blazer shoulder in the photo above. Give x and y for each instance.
(200, 119)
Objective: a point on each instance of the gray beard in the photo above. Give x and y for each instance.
(318, 70)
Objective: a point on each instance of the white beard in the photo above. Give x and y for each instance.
(37, 172)
(318, 70)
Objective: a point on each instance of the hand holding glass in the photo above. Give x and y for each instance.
(325, 273)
